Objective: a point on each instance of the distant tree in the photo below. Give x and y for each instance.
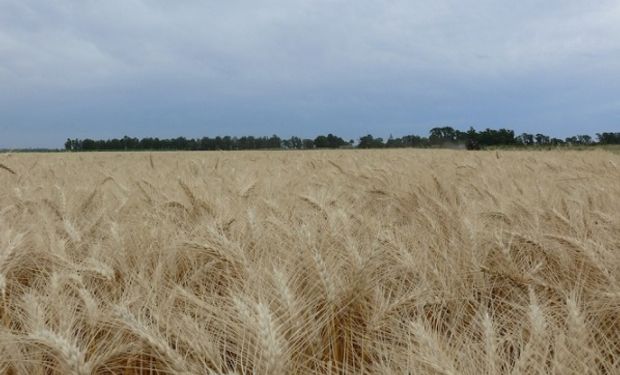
(394, 142)
(584, 139)
(471, 134)
(415, 141)
(556, 141)
(471, 138)
(579, 140)
(329, 141)
(542, 139)
(608, 138)
(492, 137)
(335, 142)
(441, 135)
(227, 143)
(88, 145)
(526, 139)
(274, 142)
(369, 141)
(296, 143)
(308, 144)
(472, 144)
(321, 142)
(366, 141)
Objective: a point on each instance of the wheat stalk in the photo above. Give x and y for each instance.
(69, 354)
(6, 168)
(391, 262)
(176, 361)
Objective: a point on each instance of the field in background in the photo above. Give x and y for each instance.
(377, 262)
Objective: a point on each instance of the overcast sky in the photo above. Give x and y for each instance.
(100, 69)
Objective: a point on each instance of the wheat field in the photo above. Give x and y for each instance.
(318, 262)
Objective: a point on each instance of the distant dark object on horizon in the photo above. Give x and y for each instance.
(472, 144)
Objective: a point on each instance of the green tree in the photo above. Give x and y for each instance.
(441, 135)
(542, 139)
(369, 141)
(608, 138)
(308, 144)
(526, 139)
(321, 142)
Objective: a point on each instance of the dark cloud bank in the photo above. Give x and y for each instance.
(193, 68)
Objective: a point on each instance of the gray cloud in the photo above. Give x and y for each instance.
(128, 66)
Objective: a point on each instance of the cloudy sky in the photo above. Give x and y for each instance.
(100, 69)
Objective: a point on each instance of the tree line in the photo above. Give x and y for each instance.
(438, 137)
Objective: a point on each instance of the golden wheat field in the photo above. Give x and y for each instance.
(318, 262)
